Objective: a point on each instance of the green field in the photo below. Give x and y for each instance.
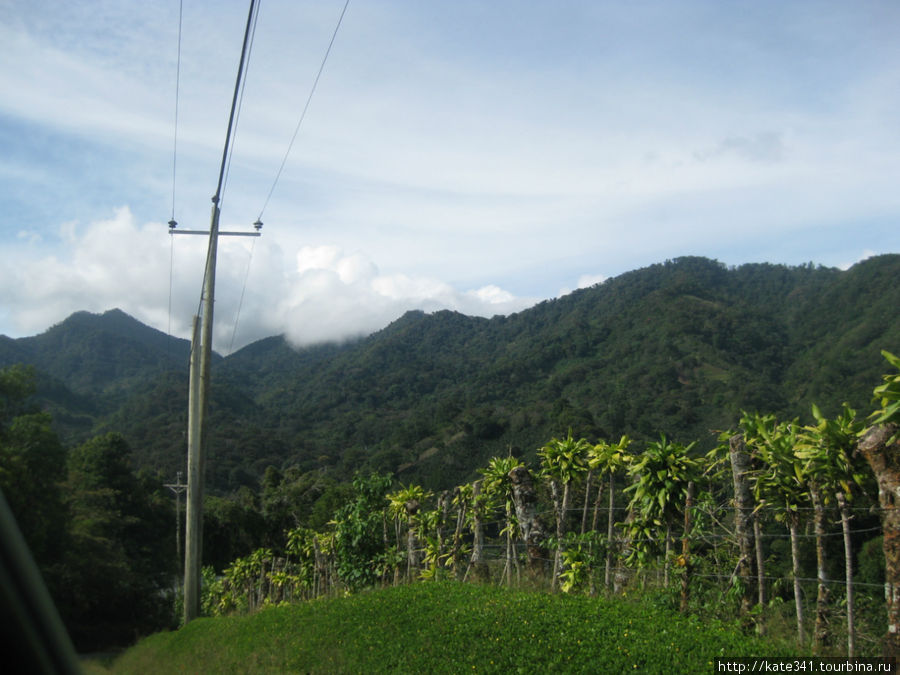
(448, 628)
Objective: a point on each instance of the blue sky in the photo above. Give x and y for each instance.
(478, 156)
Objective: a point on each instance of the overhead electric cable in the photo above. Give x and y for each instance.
(177, 88)
(217, 197)
(234, 101)
(243, 86)
(305, 108)
(172, 222)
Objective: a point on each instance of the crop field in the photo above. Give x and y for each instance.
(447, 627)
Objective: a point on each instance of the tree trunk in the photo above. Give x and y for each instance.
(587, 500)
(477, 565)
(610, 521)
(620, 578)
(412, 543)
(820, 635)
(795, 570)
(318, 570)
(668, 554)
(884, 459)
(743, 514)
(686, 548)
(595, 520)
(760, 571)
(848, 573)
(533, 534)
(510, 547)
(443, 507)
(760, 561)
(457, 537)
(558, 510)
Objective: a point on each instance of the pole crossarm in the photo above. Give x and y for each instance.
(221, 234)
(177, 487)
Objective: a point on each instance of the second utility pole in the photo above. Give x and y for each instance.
(198, 409)
(198, 406)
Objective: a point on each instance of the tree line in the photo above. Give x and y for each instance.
(100, 534)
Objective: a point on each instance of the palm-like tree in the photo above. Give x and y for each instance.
(880, 445)
(780, 483)
(404, 504)
(608, 459)
(498, 483)
(562, 460)
(661, 477)
(832, 469)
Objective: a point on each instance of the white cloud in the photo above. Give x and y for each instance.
(868, 253)
(325, 294)
(588, 280)
(584, 281)
(462, 153)
(333, 295)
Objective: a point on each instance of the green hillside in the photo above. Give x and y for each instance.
(681, 347)
(447, 628)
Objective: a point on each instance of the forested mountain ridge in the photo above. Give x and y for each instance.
(678, 347)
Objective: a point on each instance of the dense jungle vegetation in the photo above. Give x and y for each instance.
(399, 442)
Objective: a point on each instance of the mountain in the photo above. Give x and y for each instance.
(680, 347)
(98, 355)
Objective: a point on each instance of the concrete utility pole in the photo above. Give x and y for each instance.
(178, 488)
(201, 356)
(201, 353)
(198, 406)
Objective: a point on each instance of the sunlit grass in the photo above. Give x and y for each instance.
(447, 628)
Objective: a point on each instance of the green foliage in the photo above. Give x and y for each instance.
(496, 475)
(781, 482)
(232, 528)
(358, 527)
(889, 396)
(17, 384)
(564, 459)
(827, 450)
(119, 558)
(660, 481)
(32, 467)
(582, 554)
(871, 562)
(609, 458)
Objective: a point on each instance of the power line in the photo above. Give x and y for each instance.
(243, 86)
(177, 89)
(172, 222)
(232, 122)
(305, 108)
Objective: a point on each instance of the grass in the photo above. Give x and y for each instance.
(447, 628)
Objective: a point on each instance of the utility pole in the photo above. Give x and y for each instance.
(198, 406)
(201, 357)
(178, 488)
(201, 353)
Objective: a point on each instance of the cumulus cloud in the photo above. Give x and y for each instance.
(331, 295)
(314, 294)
